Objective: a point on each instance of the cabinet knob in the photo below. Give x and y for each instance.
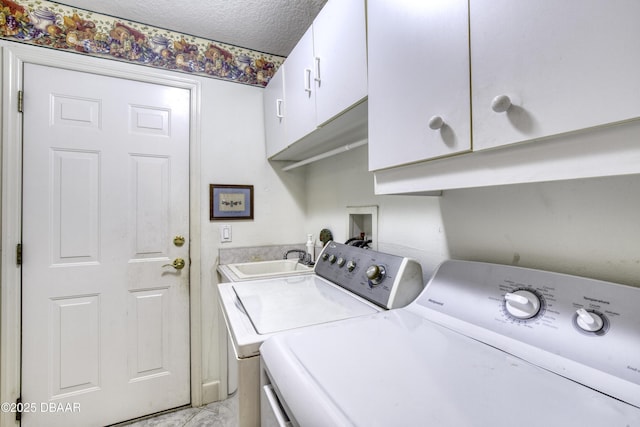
(436, 122)
(501, 103)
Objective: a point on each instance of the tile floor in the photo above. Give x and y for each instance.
(217, 414)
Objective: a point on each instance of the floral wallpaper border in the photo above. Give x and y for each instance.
(54, 25)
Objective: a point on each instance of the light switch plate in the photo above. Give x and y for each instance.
(225, 233)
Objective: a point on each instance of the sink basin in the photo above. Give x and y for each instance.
(260, 269)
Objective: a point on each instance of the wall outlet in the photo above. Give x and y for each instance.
(225, 233)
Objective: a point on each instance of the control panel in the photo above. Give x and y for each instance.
(387, 280)
(578, 327)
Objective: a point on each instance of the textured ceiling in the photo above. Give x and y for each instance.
(270, 26)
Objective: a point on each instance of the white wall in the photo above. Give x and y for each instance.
(586, 227)
(407, 225)
(233, 152)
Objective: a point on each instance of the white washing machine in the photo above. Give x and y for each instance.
(348, 281)
(483, 345)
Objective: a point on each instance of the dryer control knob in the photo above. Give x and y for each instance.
(522, 304)
(375, 274)
(589, 321)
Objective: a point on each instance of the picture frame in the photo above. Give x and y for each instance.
(230, 202)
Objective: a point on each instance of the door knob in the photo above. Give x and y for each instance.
(177, 263)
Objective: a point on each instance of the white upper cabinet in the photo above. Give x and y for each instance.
(274, 114)
(549, 80)
(418, 80)
(299, 87)
(563, 65)
(340, 57)
(324, 76)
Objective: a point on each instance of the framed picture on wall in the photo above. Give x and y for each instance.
(228, 202)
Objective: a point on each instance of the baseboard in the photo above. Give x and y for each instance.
(211, 392)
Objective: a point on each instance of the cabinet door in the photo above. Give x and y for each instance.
(340, 55)
(418, 72)
(274, 114)
(564, 65)
(299, 89)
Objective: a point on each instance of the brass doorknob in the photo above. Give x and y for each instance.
(177, 263)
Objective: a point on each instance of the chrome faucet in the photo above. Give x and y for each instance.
(303, 256)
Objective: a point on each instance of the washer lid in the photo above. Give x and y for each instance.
(280, 305)
(404, 370)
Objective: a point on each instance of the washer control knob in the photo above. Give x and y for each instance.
(325, 256)
(351, 265)
(341, 262)
(522, 304)
(375, 274)
(332, 259)
(589, 321)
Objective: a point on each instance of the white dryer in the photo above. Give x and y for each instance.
(483, 345)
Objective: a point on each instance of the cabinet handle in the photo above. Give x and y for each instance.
(307, 80)
(436, 122)
(501, 103)
(317, 78)
(279, 109)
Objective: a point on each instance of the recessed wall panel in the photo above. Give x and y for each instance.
(76, 215)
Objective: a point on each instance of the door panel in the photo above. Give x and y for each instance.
(74, 214)
(149, 347)
(105, 190)
(150, 208)
(75, 368)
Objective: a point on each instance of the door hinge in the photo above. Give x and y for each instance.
(19, 254)
(20, 101)
(19, 409)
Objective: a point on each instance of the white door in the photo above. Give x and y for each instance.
(105, 333)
